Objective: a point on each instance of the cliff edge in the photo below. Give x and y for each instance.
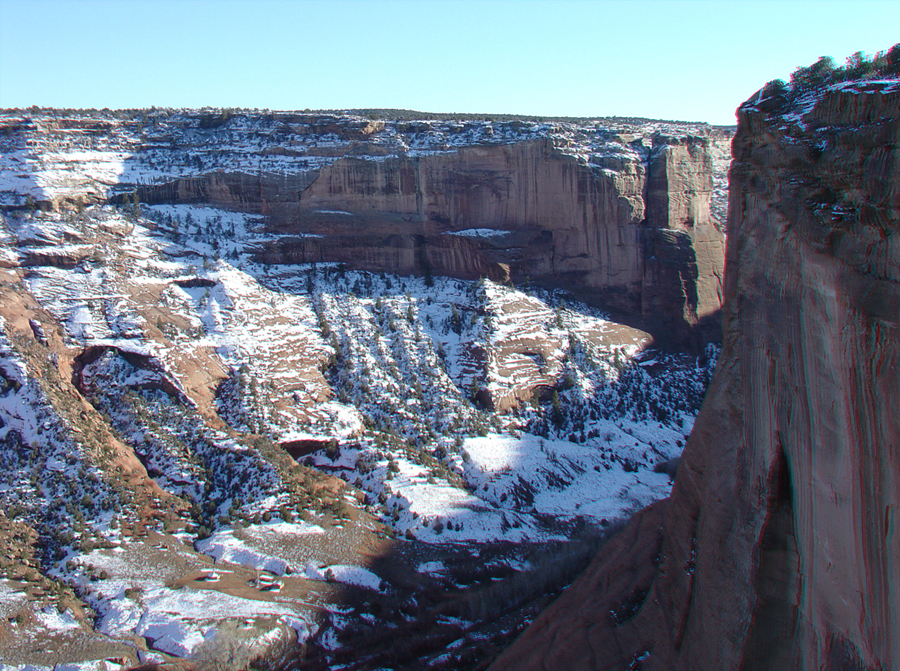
(780, 545)
(624, 214)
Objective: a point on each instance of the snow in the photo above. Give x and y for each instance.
(480, 233)
(8, 257)
(516, 481)
(510, 480)
(868, 86)
(11, 598)
(11, 367)
(56, 621)
(344, 573)
(802, 103)
(178, 621)
(431, 567)
(433, 500)
(286, 528)
(223, 546)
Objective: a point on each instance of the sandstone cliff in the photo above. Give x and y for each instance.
(778, 548)
(626, 215)
(636, 237)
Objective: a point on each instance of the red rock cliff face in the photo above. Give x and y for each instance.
(616, 211)
(780, 545)
(637, 237)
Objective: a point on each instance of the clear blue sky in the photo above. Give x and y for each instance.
(671, 59)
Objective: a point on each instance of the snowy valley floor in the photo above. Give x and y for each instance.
(335, 461)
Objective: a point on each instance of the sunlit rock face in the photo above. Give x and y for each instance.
(636, 237)
(627, 214)
(778, 548)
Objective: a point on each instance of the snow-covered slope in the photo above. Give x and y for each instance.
(459, 411)
(167, 401)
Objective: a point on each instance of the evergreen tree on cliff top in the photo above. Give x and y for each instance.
(778, 95)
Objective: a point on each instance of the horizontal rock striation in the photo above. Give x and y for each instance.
(624, 215)
(638, 239)
(780, 546)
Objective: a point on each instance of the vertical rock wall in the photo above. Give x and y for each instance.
(780, 545)
(813, 320)
(683, 249)
(615, 211)
(637, 238)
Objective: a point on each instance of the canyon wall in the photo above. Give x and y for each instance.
(625, 214)
(639, 240)
(620, 217)
(780, 546)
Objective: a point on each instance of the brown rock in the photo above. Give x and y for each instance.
(67, 257)
(157, 377)
(637, 241)
(8, 258)
(558, 222)
(780, 547)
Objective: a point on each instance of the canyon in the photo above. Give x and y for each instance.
(390, 367)
(630, 230)
(778, 547)
(627, 215)
(278, 383)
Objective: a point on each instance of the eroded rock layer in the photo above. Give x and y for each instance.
(779, 548)
(624, 214)
(638, 238)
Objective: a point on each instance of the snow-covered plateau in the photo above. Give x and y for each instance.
(203, 455)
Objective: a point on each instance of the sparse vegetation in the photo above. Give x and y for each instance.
(779, 96)
(225, 650)
(213, 398)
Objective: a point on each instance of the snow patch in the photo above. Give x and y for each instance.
(344, 573)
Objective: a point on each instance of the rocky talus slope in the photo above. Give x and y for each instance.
(779, 547)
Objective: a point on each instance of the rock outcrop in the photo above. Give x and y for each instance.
(624, 214)
(779, 547)
(634, 235)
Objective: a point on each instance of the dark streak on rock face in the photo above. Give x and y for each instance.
(780, 546)
(639, 240)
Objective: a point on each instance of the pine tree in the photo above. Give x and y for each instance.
(135, 205)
